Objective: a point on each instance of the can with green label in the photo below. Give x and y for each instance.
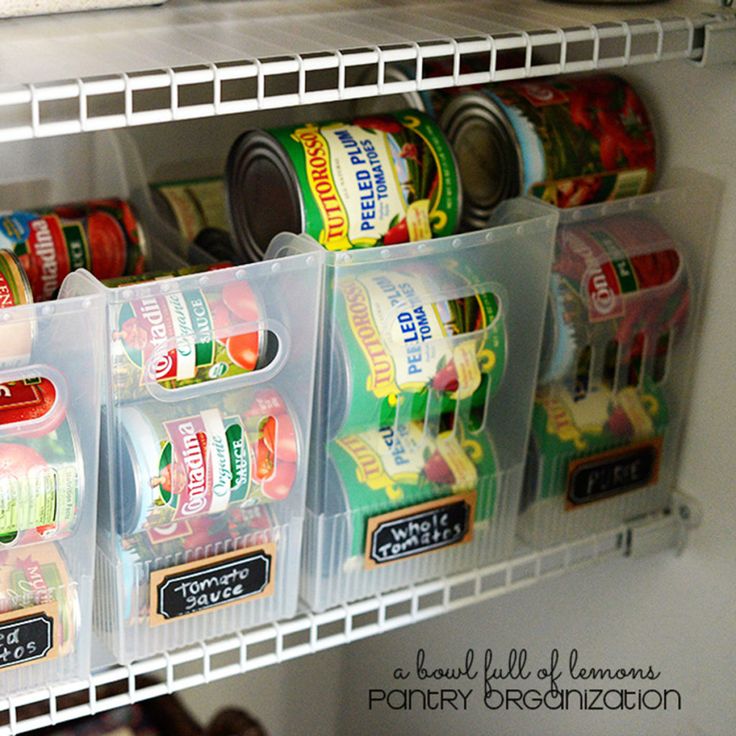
(16, 337)
(41, 468)
(400, 351)
(375, 180)
(392, 468)
(182, 463)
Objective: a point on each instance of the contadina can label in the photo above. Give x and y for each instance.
(176, 468)
(374, 181)
(40, 463)
(102, 236)
(401, 347)
(598, 446)
(619, 285)
(395, 467)
(38, 576)
(16, 336)
(185, 336)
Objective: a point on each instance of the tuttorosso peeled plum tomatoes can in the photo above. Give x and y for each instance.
(376, 180)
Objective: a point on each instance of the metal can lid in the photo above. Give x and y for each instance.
(487, 154)
(263, 193)
(20, 277)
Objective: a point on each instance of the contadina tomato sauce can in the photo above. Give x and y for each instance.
(400, 347)
(374, 181)
(102, 236)
(41, 467)
(16, 335)
(568, 141)
(178, 464)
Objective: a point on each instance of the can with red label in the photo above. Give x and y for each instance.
(568, 141)
(16, 336)
(102, 236)
(41, 468)
(188, 462)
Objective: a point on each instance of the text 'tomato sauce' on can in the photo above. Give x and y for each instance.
(376, 180)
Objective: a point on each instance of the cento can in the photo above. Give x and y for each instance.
(197, 209)
(16, 336)
(185, 336)
(202, 462)
(382, 470)
(400, 349)
(567, 141)
(377, 180)
(619, 291)
(41, 467)
(102, 236)
(36, 576)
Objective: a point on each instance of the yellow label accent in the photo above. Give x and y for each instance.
(369, 468)
(461, 467)
(560, 422)
(631, 403)
(468, 370)
(417, 220)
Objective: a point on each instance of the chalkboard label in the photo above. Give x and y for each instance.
(198, 587)
(612, 473)
(414, 530)
(28, 635)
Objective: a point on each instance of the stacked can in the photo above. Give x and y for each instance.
(619, 301)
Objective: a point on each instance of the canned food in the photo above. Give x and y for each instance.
(140, 278)
(568, 141)
(395, 467)
(399, 349)
(102, 236)
(36, 576)
(590, 448)
(197, 209)
(41, 467)
(186, 336)
(375, 181)
(619, 299)
(176, 468)
(16, 336)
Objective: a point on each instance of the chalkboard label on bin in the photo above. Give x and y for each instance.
(611, 473)
(28, 635)
(223, 580)
(414, 530)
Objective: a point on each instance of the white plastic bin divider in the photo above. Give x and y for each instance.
(610, 404)
(501, 271)
(150, 522)
(52, 450)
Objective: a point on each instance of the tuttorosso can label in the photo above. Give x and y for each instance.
(619, 285)
(38, 576)
(397, 467)
(402, 346)
(16, 336)
(201, 463)
(41, 471)
(102, 236)
(180, 337)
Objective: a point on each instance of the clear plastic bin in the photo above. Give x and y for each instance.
(427, 368)
(622, 319)
(49, 439)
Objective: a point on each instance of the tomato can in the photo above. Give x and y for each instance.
(185, 336)
(400, 353)
(182, 464)
(37, 576)
(141, 278)
(41, 466)
(619, 300)
(567, 141)
(377, 180)
(197, 210)
(391, 468)
(16, 336)
(102, 236)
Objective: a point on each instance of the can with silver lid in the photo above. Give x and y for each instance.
(377, 180)
(567, 141)
(16, 336)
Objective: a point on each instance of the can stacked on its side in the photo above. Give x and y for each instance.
(377, 180)
(16, 336)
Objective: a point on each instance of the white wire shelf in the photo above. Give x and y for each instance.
(309, 632)
(193, 59)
